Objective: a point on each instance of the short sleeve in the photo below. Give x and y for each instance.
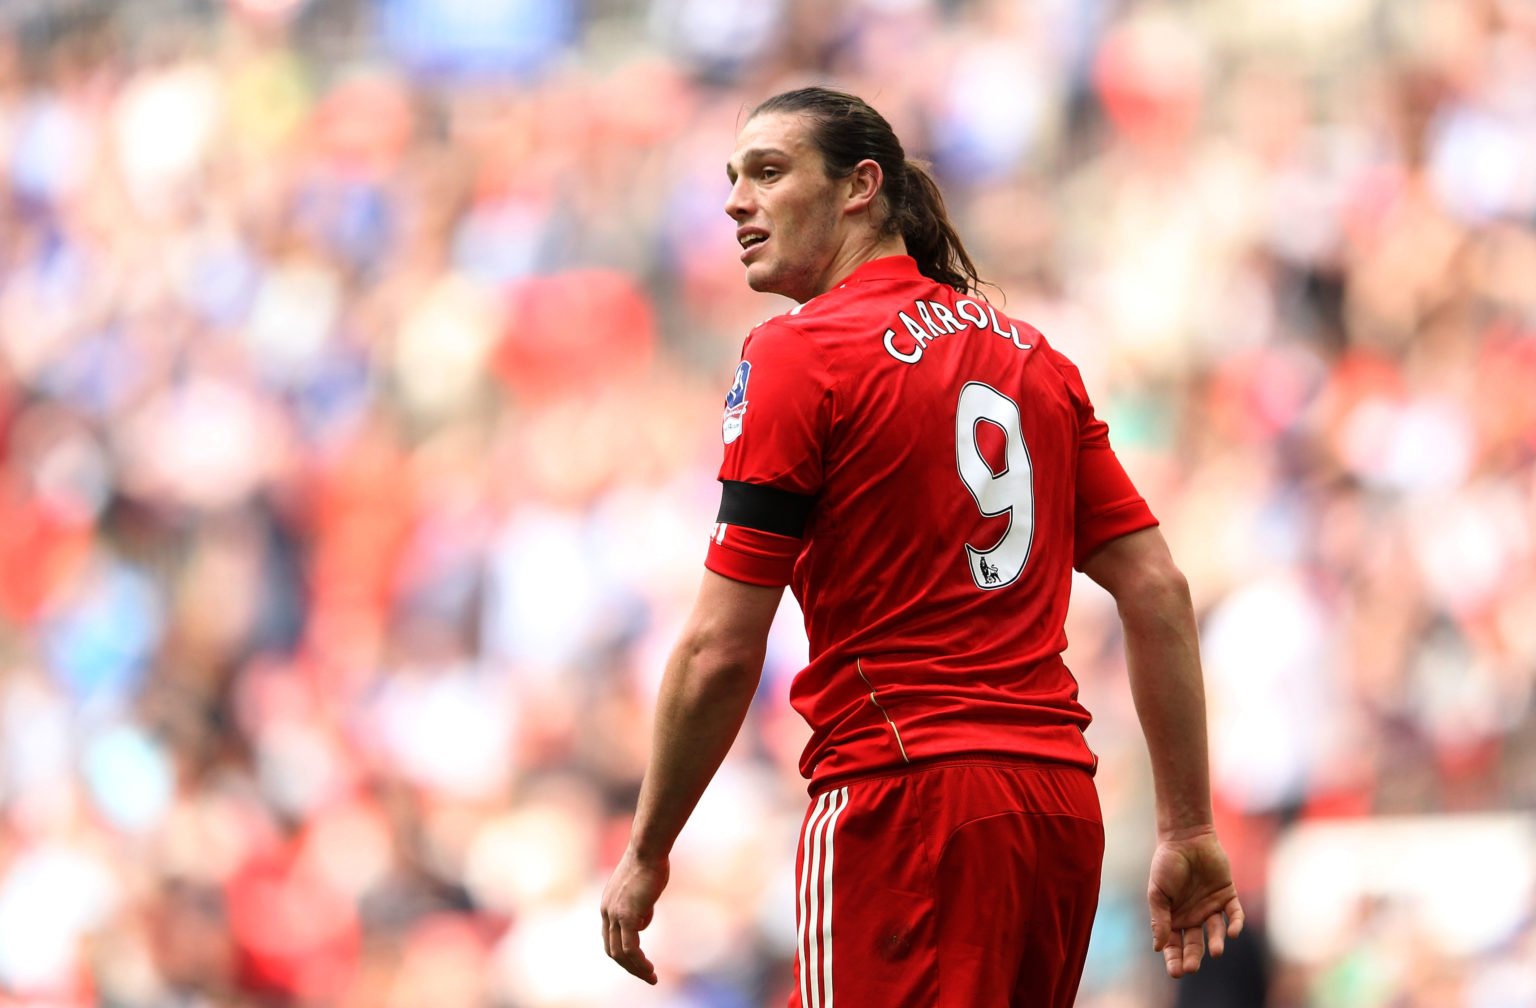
(774, 427)
(777, 412)
(1107, 504)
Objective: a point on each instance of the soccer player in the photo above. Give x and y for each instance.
(925, 472)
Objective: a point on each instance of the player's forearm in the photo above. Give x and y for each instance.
(703, 700)
(1163, 657)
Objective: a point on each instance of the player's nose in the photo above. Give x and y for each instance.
(738, 205)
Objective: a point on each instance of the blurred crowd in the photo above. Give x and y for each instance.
(360, 367)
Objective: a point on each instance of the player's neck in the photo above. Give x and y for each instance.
(857, 252)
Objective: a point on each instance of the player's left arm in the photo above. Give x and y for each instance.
(1190, 892)
(705, 692)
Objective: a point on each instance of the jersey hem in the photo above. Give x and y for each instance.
(1112, 525)
(752, 556)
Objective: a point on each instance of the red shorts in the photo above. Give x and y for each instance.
(969, 883)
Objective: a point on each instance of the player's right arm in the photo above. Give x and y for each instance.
(705, 692)
(1190, 888)
(775, 415)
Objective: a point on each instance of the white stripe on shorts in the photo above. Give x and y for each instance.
(815, 910)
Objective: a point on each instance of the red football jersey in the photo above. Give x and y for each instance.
(951, 473)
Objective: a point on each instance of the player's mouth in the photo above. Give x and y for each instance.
(750, 239)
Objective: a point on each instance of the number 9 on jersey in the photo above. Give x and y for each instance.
(1010, 492)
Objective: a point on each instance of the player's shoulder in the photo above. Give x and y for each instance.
(804, 318)
(1067, 371)
(807, 329)
(1058, 360)
(785, 320)
(779, 332)
(837, 323)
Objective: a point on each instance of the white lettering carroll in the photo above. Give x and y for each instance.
(938, 320)
(945, 316)
(913, 328)
(964, 307)
(997, 327)
(922, 310)
(906, 358)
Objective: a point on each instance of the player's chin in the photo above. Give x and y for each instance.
(766, 281)
(761, 279)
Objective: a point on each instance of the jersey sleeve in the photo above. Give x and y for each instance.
(777, 415)
(1107, 504)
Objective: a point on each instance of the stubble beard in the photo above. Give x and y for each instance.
(779, 280)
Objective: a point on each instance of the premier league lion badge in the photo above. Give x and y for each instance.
(736, 404)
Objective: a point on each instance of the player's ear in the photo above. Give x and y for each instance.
(864, 184)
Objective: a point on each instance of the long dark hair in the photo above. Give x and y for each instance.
(846, 130)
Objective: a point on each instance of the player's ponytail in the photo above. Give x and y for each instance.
(846, 130)
(931, 238)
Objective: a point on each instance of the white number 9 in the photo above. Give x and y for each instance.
(1010, 492)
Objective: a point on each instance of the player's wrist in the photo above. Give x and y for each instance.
(1183, 833)
(647, 853)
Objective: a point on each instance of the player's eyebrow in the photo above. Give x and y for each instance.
(753, 154)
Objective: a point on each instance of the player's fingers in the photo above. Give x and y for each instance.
(1215, 935)
(1194, 948)
(613, 942)
(1173, 958)
(633, 959)
(1162, 920)
(1235, 918)
(616, 944)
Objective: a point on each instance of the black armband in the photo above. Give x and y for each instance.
(765, 508)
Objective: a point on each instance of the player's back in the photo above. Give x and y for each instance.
(946, 520)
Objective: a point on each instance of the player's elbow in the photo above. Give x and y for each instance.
(724, 657)
(1155, 586)
(720, 663)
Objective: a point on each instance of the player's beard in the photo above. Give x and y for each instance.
(783, 271)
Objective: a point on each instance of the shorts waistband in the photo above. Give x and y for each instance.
(1007, 760)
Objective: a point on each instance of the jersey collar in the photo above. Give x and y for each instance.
(897, 267)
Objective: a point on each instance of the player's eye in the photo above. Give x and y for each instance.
(768, 174)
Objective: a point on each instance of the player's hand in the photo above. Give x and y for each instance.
(1189, 893)
(628, 902)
